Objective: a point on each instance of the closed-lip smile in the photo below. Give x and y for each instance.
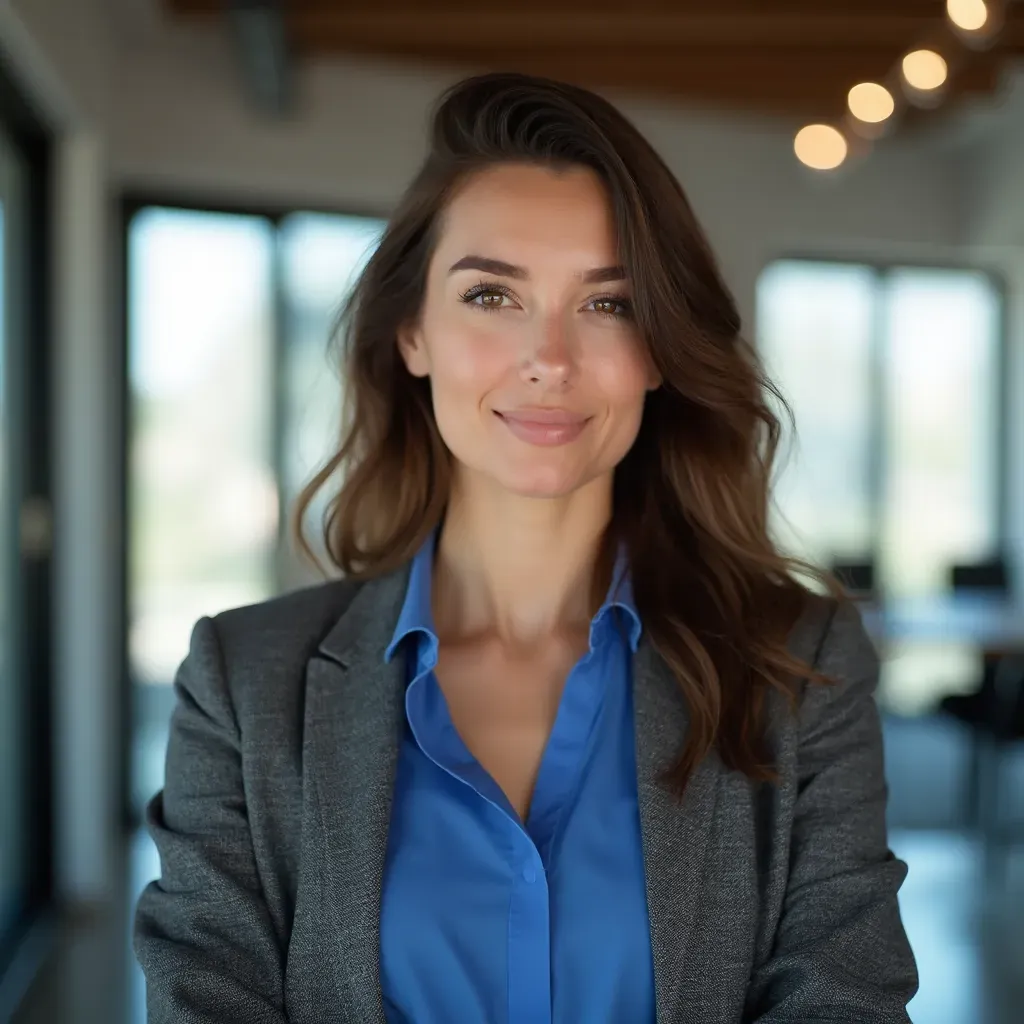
(544, 426)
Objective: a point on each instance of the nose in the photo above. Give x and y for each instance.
(550, 361)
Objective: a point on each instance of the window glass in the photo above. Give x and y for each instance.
(321, 258)
(814, 330)
(203, 504)
(941, 377)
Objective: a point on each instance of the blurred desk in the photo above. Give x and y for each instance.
(994, 625)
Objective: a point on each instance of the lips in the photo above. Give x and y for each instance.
(550, 417)
(543, 426)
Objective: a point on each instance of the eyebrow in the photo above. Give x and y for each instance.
(600, 275)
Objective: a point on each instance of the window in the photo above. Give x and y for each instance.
(234, 401)
(815, 328)
(321, 257)
(940, 464)
(202, 498)
(894, 379)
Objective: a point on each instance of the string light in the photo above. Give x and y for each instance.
(924, 70)
(820, 146)
(871, 102)
(969, 15)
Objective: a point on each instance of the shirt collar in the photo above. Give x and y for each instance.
(416, 614)
(620, 596)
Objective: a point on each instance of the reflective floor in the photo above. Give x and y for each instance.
(967, 933)
(965, 921)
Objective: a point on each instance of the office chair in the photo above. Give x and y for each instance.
(857, 577)
(1006, 727)
(990, 575)
(977, 710)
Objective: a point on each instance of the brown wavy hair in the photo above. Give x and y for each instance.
(691, 497)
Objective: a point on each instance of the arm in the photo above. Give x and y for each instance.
(841, 954)
(203, 934)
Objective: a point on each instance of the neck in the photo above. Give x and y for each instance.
(520, 570)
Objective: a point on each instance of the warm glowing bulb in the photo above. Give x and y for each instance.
(924, 69)
(820, 146)
(871, 102)
(970, 15)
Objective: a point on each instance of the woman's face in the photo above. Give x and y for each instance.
(536, 367)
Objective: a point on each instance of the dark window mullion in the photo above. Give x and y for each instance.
(1001, 422)
(878, 419)
(279, 394)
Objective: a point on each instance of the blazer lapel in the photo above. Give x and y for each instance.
(674, 835)
(354, 722)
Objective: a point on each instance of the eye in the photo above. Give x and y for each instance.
(487, 295)
(611, 305)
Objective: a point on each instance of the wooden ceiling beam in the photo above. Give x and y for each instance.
(323, 26)
(585, 8)
(500, 27)
(798, 58)
(806, 88)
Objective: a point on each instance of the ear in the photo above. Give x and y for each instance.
(414, 350)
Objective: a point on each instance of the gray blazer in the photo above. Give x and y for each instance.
(767, 903)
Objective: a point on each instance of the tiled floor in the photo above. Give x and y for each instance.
(966, 925)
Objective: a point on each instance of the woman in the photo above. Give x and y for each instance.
(570, 741)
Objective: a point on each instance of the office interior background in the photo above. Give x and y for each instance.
(187, 190)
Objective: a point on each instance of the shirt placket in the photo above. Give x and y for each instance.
(531, 844)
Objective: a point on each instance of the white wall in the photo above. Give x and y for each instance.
(993, 181)
(142, 104)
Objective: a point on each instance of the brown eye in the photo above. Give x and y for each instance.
(610, 307)
(486, 296)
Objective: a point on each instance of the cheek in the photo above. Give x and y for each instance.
(622, 380)
(623, 376)
(467, 362)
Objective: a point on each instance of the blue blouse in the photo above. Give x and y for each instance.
(484, 917)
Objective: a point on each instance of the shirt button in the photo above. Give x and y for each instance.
(529, 874)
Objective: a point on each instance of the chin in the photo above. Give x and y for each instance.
(546, 482)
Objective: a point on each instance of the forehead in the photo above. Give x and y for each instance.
(515, 211)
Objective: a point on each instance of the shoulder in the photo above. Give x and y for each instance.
(296, 618)
(268, 643)
(830, 635)
(836, 643)
(833, 717)
(831, 638)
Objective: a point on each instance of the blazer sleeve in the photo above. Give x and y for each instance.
(202, 931)
(841, 952)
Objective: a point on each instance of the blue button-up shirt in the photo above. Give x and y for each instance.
(486, 918)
